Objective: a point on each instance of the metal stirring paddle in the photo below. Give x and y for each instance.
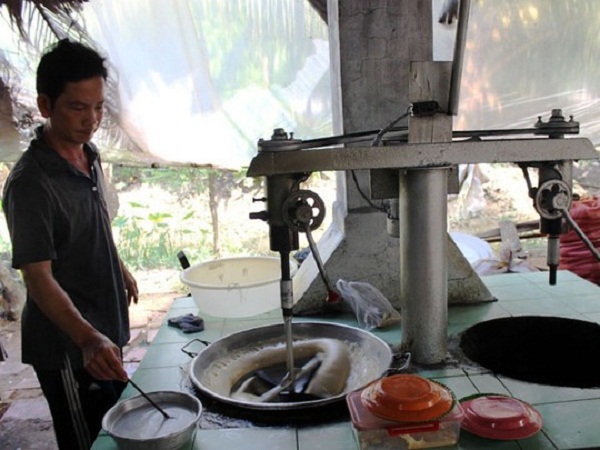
(147, 397)
(286, 382)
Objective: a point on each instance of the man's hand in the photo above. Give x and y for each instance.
(102, 359)
(130, 285)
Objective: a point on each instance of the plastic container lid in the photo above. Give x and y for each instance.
(363, 420)
(407, 398)
(500, 417)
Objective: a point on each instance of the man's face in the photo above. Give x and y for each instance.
(77, 112)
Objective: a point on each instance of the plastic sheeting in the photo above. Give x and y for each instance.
(525, 58)
(200, 81)
(574, 253)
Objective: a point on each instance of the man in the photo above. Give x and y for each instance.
(75, 321)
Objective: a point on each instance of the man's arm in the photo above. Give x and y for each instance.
(101, 357)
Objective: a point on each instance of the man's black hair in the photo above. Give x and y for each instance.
(67, 61)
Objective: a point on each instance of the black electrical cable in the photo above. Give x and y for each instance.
(375, 143)
(388, 127)
(381, 208)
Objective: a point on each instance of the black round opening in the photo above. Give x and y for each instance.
(545, 350)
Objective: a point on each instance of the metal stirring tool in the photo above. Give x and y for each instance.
(290, 210)
(287, 304)
(147, 397)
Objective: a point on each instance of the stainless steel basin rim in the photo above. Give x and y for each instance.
(371, 358)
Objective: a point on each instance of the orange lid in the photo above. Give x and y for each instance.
(407, 398)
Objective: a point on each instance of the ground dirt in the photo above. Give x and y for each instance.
(489, 194)
(25, 422)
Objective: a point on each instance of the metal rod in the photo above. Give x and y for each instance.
(581, 234)
(289, 342)
(147, 397)
(315, 252)
(287, 304)
(508, 132)
(552, 257)
(457, 60)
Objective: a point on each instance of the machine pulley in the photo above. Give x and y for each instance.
(552, 198)
(302, 209)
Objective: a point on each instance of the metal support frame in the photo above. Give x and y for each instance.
(424, 263)
(408, 156)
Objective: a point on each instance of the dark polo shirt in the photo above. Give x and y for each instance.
(55, 212)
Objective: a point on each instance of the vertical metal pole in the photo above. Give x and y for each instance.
(424, 263)
(283, 240)
(287, 304)
(457, 59)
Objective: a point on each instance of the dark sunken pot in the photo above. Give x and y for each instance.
(545, 350)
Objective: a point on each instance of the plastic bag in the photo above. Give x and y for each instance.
(372, 309)
(574, 253)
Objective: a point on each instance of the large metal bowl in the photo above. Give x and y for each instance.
(370, 358)
(135, 424)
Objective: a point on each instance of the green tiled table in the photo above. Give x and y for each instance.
(571, 416)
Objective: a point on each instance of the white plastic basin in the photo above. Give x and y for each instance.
(236, 287)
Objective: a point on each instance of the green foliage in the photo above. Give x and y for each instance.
(185, 182)
(150, 240)
(165, 210)
(5, 246)
(150, 234)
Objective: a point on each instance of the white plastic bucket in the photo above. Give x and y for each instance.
(236, 287)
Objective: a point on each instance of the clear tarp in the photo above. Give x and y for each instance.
(200, 81)
(524, 58)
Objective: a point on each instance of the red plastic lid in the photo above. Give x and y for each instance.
(499, 417)
(407, 398)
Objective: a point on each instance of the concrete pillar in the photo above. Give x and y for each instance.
(372, 45)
